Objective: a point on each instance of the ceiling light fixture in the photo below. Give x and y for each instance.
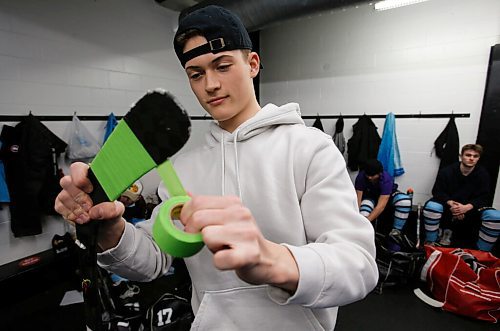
(391, 4)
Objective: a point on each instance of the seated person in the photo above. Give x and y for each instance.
(135, 206)
(375, 188)
(459, 205)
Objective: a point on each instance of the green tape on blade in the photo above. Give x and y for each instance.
(169, 238)
(121, 161)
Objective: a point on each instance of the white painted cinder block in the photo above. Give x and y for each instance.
(427, 58)
(100, 57)
(9, 68)
(92, 58)
(88, 77)
(18, 45)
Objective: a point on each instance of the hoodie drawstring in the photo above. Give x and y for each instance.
(223, 164)
(223, 167)
(236, 163)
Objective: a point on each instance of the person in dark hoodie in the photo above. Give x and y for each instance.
(459, 205)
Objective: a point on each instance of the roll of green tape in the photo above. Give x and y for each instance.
(169, 238)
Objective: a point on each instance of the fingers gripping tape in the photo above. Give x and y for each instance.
(169, 238)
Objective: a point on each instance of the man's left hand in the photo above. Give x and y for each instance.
(460, 209)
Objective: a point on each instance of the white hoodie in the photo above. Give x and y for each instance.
(294, 181)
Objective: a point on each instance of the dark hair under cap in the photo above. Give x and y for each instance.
(223, 30)
(373, 167)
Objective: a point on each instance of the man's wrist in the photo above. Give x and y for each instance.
(110, 233)
(284, 272)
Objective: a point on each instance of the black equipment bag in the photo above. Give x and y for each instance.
(397, 268)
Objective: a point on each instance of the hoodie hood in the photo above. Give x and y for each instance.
(270, 115)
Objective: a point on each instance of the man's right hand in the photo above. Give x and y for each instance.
(75, 205)
(451, 203)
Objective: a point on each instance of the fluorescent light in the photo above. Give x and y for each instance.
(391, 4)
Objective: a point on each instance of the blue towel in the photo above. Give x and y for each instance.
(110, 125)
(4, 192)
(388, 152)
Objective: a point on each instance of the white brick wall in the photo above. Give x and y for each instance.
(92, 57)
(430, 57)
(97, 57)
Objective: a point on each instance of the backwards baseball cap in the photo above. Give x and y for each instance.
(223, 30)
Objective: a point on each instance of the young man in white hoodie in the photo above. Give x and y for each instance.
(284, 242)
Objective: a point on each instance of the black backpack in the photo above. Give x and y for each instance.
(169, 313)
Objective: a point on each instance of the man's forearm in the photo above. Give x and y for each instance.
(379, 208)
(375, 213)
(110, 233)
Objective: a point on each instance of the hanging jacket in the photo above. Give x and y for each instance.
(287, 175)
(447, 144)
(388, 152)
(4, 191)
(338, 135)
(29, 152)
(363, 144)
(317, 124)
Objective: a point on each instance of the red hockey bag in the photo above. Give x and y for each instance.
(466, 281)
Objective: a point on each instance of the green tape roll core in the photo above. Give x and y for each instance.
(169, 238)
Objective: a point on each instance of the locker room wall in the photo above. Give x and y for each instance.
(430, 57)
(94, 57)
(90, 57)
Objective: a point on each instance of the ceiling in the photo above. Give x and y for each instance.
(258, 14)
(178, 5)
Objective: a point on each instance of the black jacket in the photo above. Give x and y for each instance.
(29, 152)
(447, 144)
(363, 144)
(317, 124)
